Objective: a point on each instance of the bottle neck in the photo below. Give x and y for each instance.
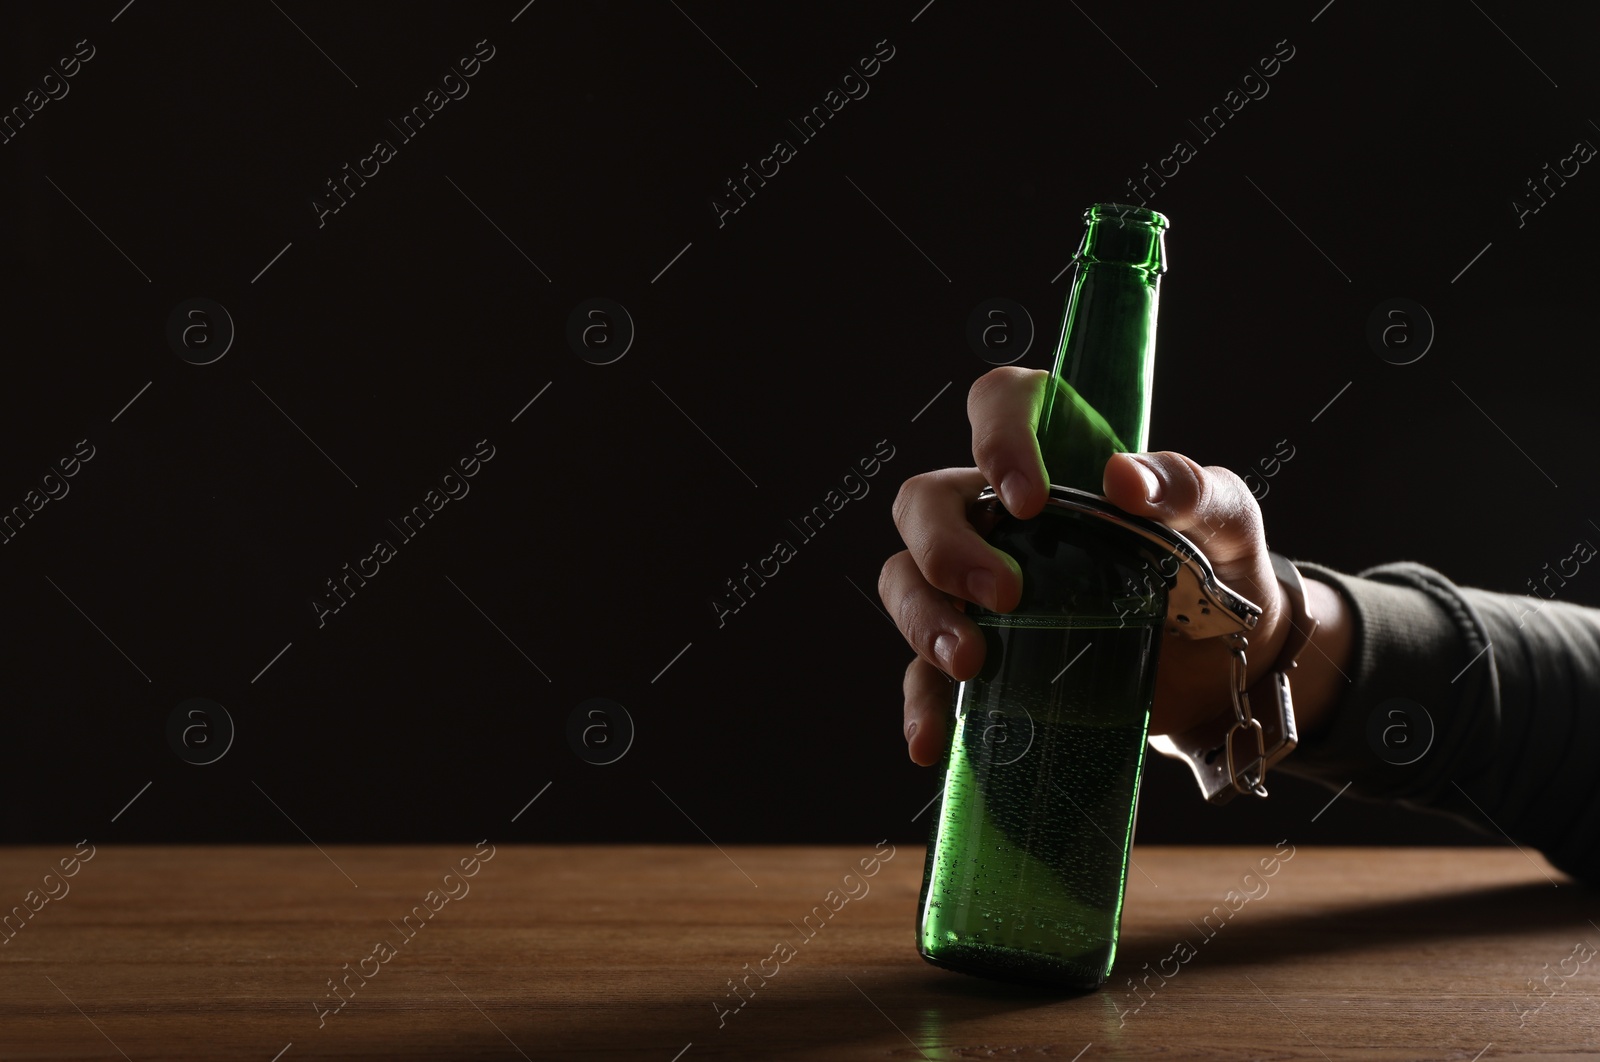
(1098, 399)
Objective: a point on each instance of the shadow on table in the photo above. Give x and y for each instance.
(831, 1011)
(1264, 928)
(843, 1010)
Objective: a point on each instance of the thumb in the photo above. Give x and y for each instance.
(1210, 505)
(1213, 508)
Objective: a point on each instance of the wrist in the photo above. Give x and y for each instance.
(1323, 666)
(1296, 700)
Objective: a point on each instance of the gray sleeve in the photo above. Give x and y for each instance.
(1512, 685)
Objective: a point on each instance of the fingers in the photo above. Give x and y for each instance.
(1210, 505)
(1004, 406)
(927, 693)
(936, 629)
(931, 514)
(1215, 510)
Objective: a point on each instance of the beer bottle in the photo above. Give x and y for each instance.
(1028, 854)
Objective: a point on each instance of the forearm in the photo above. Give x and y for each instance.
(1411, 641)
(1503, 696)
(1539, 785)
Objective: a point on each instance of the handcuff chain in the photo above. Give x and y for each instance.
(1248, 780)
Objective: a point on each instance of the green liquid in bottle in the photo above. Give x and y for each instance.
(999, 841)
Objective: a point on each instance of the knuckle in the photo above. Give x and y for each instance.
(903, 500)
(988, 442)
(1226, 478)
(1231, 500)
(983, 387)
(888, 573)
(909, 682)
(999, 380)
(1186, 481)
(942, 569)
(919, 621)
(916, 522)
(1229, 490)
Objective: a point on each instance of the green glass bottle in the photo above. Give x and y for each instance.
(1028, 853)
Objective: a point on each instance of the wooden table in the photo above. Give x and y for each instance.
(626, 953)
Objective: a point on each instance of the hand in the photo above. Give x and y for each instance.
(947, 562)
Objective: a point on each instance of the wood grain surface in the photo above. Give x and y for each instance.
(627, 953)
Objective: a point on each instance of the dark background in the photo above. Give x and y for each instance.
(435, 704)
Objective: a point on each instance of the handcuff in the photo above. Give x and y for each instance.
(1231, 752)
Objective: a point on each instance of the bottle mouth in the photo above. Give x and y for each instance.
(1125, 214)
(1122, 235)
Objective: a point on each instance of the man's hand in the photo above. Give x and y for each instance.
(947, 562)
